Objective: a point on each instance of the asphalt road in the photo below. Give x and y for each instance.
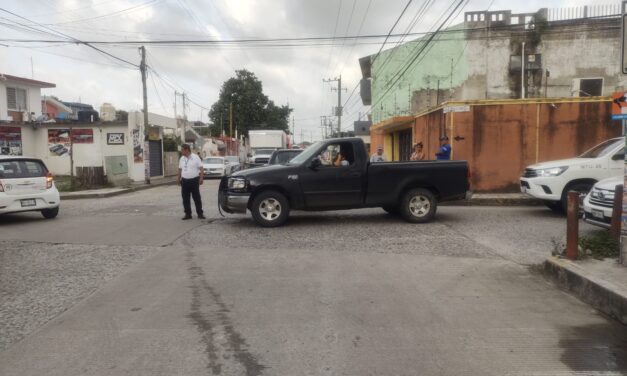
(122, 286)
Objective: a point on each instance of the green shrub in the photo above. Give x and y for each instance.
(599, 245)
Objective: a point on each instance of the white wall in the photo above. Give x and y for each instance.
(136, 121)
(35, 143)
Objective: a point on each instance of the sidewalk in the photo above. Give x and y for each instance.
(602, 284)
(109, 192)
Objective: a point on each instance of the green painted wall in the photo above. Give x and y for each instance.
(432, 64)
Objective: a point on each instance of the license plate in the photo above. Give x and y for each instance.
(597, 214)
(29, 202)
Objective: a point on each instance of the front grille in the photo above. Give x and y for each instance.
(602, 197)
(530, 173)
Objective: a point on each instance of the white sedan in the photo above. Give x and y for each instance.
(27, 185)
(599, 203)
(214, 166)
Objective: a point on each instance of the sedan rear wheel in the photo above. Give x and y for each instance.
(50, 213)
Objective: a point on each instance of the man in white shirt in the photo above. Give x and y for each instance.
(190, 179)
(379, 157)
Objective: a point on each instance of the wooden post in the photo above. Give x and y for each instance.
(572, 226)
(617, 212)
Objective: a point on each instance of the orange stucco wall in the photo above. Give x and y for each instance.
(499, 140)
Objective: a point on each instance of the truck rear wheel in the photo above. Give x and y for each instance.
(418, 205)
(270, 209)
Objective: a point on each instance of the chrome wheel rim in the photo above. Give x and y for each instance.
(419, 206)
(270, 209)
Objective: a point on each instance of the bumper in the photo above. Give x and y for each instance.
(233, 202)
(44, 200)
(208, 174)
(543, 188)
(596, 215)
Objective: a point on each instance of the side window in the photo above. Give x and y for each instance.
(338, 155)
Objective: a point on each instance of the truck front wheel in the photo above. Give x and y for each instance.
(270, 209)
(418, 205)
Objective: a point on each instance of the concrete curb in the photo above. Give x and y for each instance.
(600, 294)
(79, 196)
(495, 201)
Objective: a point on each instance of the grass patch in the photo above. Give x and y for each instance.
(64, 184)
(599, 245)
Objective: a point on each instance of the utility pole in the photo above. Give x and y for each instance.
(142, 68)
(522, 75)
(184, 118)
(338, 109)
(231, 119)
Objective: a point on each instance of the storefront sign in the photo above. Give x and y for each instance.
(115, 138)
(59, 144)
(456, 109)
(10, 141)
(83, 136)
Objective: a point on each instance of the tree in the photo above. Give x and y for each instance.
(251, 107)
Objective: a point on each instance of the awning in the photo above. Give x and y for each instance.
(393, 123)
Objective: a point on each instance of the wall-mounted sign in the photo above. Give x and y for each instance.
(115, 138)
(83, 136)
(448, 109)
(138, 150)
(59, 142)
(10, 141)
(153, 134)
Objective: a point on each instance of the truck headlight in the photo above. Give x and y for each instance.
(238, 184)
(554, 171)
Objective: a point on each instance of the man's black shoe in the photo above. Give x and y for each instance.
(201, 217)
(187, 217)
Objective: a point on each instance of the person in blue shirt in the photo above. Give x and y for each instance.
(444, 153)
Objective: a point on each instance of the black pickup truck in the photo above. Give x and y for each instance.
(337, 174)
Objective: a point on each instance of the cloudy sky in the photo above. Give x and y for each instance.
(291, 72)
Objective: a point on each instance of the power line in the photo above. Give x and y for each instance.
(337, 19)
(392, 29)
(131, 9)
(71, 38)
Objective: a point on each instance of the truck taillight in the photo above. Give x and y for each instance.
(49, 180)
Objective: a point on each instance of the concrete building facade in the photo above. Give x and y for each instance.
(567, 52)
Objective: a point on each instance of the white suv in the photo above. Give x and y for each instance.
(550, 181)
(27, 185)
(599, 203)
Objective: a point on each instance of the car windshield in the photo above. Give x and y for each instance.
(306, 154)
(17, 169)
(603, 148)
(263, 151)
(213, 160)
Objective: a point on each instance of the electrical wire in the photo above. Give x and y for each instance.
(392, 29)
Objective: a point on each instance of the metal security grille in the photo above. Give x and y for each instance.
(404, 145)
(156, 158)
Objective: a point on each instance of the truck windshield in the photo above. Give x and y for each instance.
(306, 154)
(603, 148)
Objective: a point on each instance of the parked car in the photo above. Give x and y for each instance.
(316, 180)
(283, 156)
(260, 157)
(599, 202)
(233, 164)
(214, 166)
(551, 181)
(27, 185)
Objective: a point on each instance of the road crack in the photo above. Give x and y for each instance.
(210, 315)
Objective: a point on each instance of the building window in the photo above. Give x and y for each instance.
(494, 17)
(588, 87)
(514, 20)
(16, 99)
(482, 17)
(500, 16)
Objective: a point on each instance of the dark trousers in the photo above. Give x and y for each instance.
(191, 186)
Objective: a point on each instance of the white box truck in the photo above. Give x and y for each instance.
(263, 143)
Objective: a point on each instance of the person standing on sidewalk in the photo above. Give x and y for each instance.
(378, 157)
(190, 178)
(444, 153)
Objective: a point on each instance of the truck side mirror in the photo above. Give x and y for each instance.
(315, 163)
(618, 157)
